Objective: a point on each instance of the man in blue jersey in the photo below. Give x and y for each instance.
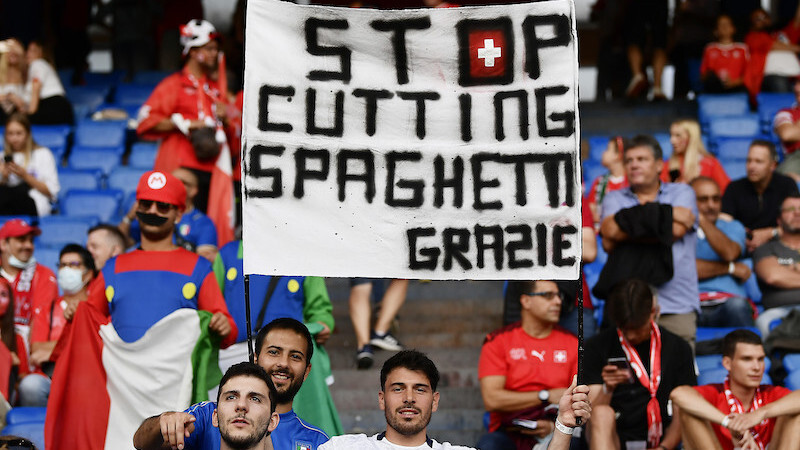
(246, 413)
(284, 350)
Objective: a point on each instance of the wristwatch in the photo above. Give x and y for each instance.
(544, 396)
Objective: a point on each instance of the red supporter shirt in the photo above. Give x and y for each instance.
(790, 116)
(40, 291)
(709, 167)
(613, 184)
(727, 61)
(193, 99)
(529, 364)
(715, 394)
(49, 322)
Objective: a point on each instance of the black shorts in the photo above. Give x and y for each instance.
(645, 17)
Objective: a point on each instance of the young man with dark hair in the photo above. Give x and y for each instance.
(740, 412)
(408, 398)
(631, 370)
(284, 349)
(245, 414)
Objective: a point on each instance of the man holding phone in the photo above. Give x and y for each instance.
(524, 367)
(631, 370)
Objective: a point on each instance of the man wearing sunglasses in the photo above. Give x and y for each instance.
(525, 365)
(142, 287)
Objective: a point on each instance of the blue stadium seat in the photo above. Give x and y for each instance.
(127, 204)
(792, 381)
(732, 148)
(54, 137)
(143, 154)
(743, 126)
(78, 179)
(96, 158)
(58, 231)
(48, 256)
(592, 170)
(101, 133)
(769, 103)
(104, 204)
(708, 362)
(133, 94)
(86, 99)
(734, 168)
(709, 333)
(791, 362)
(104, 79)
(125, 179)
(717, 105)
(32, 431)
(597, 145)
(151, 77)
(25, 414)
(666, 145)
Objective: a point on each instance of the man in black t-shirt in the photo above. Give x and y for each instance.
(755, 200)
(631, 370)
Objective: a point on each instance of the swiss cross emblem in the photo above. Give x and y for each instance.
(486, 52)
(560, 356)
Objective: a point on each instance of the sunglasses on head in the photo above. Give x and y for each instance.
(161, 207)
(16, 443)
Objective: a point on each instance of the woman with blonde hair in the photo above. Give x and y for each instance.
(28, 173)
(690, 158)
(12, 78)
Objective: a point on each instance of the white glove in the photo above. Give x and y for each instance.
(181, 123)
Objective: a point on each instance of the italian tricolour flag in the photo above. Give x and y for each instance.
(103, 388)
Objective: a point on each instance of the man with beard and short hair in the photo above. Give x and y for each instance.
(777, 266)
(284, 349)
(408, 398)
(246, 413)
(104, 242)
(755, 199)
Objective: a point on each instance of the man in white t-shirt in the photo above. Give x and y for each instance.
(408, 398)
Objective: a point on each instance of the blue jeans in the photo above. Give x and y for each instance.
(570, 322)
(34, 390)
(734, 312)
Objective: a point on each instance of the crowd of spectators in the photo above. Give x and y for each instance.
(682, 240)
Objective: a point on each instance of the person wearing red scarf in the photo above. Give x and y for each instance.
(741, 412)
(631, 370)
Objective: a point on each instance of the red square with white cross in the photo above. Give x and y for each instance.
(487, 53)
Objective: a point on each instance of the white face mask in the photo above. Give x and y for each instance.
(70, 280)
(16, 262)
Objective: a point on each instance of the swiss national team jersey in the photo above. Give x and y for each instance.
(727, 61)
(529, 364)
(790, 116)
(715, 394)
(292, 432)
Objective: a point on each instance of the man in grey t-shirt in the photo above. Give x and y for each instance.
(777, 265)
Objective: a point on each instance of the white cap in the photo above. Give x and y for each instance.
(197, 33)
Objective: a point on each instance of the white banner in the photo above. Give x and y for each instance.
(424, 143)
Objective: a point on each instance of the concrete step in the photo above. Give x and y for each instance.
(450, 358)
(339, 290)
(466, 377)
(410, 324)
(365, 398)
(457, 426)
